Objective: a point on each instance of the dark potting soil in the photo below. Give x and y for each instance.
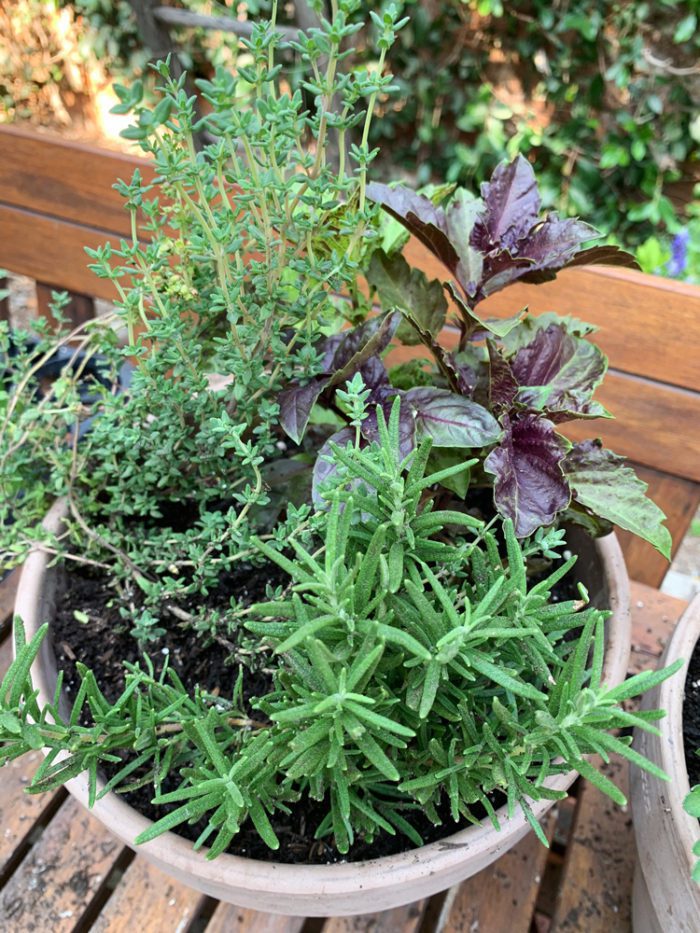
(104, 642)
(691, 718)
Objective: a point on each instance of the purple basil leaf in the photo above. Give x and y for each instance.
(602, 482)
(549, 247)
(604, 255)
(558, 373)
(503, 386)
(420, 216)
(365, 341)
(296, 403)
(529, 486)
(325, 469)
(512, 204)
(399, 286)
(375, 378)
(462, 215)
(452, 420)
(555, 241)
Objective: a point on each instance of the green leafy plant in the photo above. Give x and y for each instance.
(235, 413)
(413, 670)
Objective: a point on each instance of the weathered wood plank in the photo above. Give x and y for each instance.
(227, 918)
(51, 250)
(502, 896)
(65, 179)
(147, 899)
(638, 314)
(399, 920)
(596, 889)
(57, 881)
(653, 423)
(80, 309)
(680, 500)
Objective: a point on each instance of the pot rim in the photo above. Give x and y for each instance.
(338, 878)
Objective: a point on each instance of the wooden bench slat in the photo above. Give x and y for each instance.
(638, 314)
(227, 918)
(51, 251)
(502, 896)
(148, 899)
(654, 424)
(66, 869)
(65, 179)
(399, 920)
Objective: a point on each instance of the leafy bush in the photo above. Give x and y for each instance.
(413, 671)
(241, 377)
(602, 97)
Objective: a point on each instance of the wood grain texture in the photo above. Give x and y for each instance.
(147, 899)
(640, 316)
(56, 882)
(502, 896)
(65, 179)
(80, 309)
(227, 918)
(679, 499)
(399, 920)
(655, 425)
(52, 251)
(596, 888)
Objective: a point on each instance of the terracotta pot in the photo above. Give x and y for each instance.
(340, 889)
(665, 898)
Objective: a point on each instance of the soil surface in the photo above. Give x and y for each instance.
(691, 718)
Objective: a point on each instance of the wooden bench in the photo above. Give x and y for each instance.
(61, 871)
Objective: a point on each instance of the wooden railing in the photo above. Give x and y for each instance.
(56, 197)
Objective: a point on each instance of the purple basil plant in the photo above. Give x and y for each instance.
(506, 385)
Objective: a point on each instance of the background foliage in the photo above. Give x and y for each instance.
(601, 95)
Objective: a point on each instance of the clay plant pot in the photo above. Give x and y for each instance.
(665, 898)
(339, 889)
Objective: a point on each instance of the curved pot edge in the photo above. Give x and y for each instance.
(322, 890)
(666, 898)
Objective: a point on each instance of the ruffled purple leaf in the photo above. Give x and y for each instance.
(343, 356)
(461, 217)
(529, 485)
(602, 482)
(558, 374)
(420, 216)
(296, 403)
(362, 343)
(512, 204)
(503, 386)
(451, 420)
